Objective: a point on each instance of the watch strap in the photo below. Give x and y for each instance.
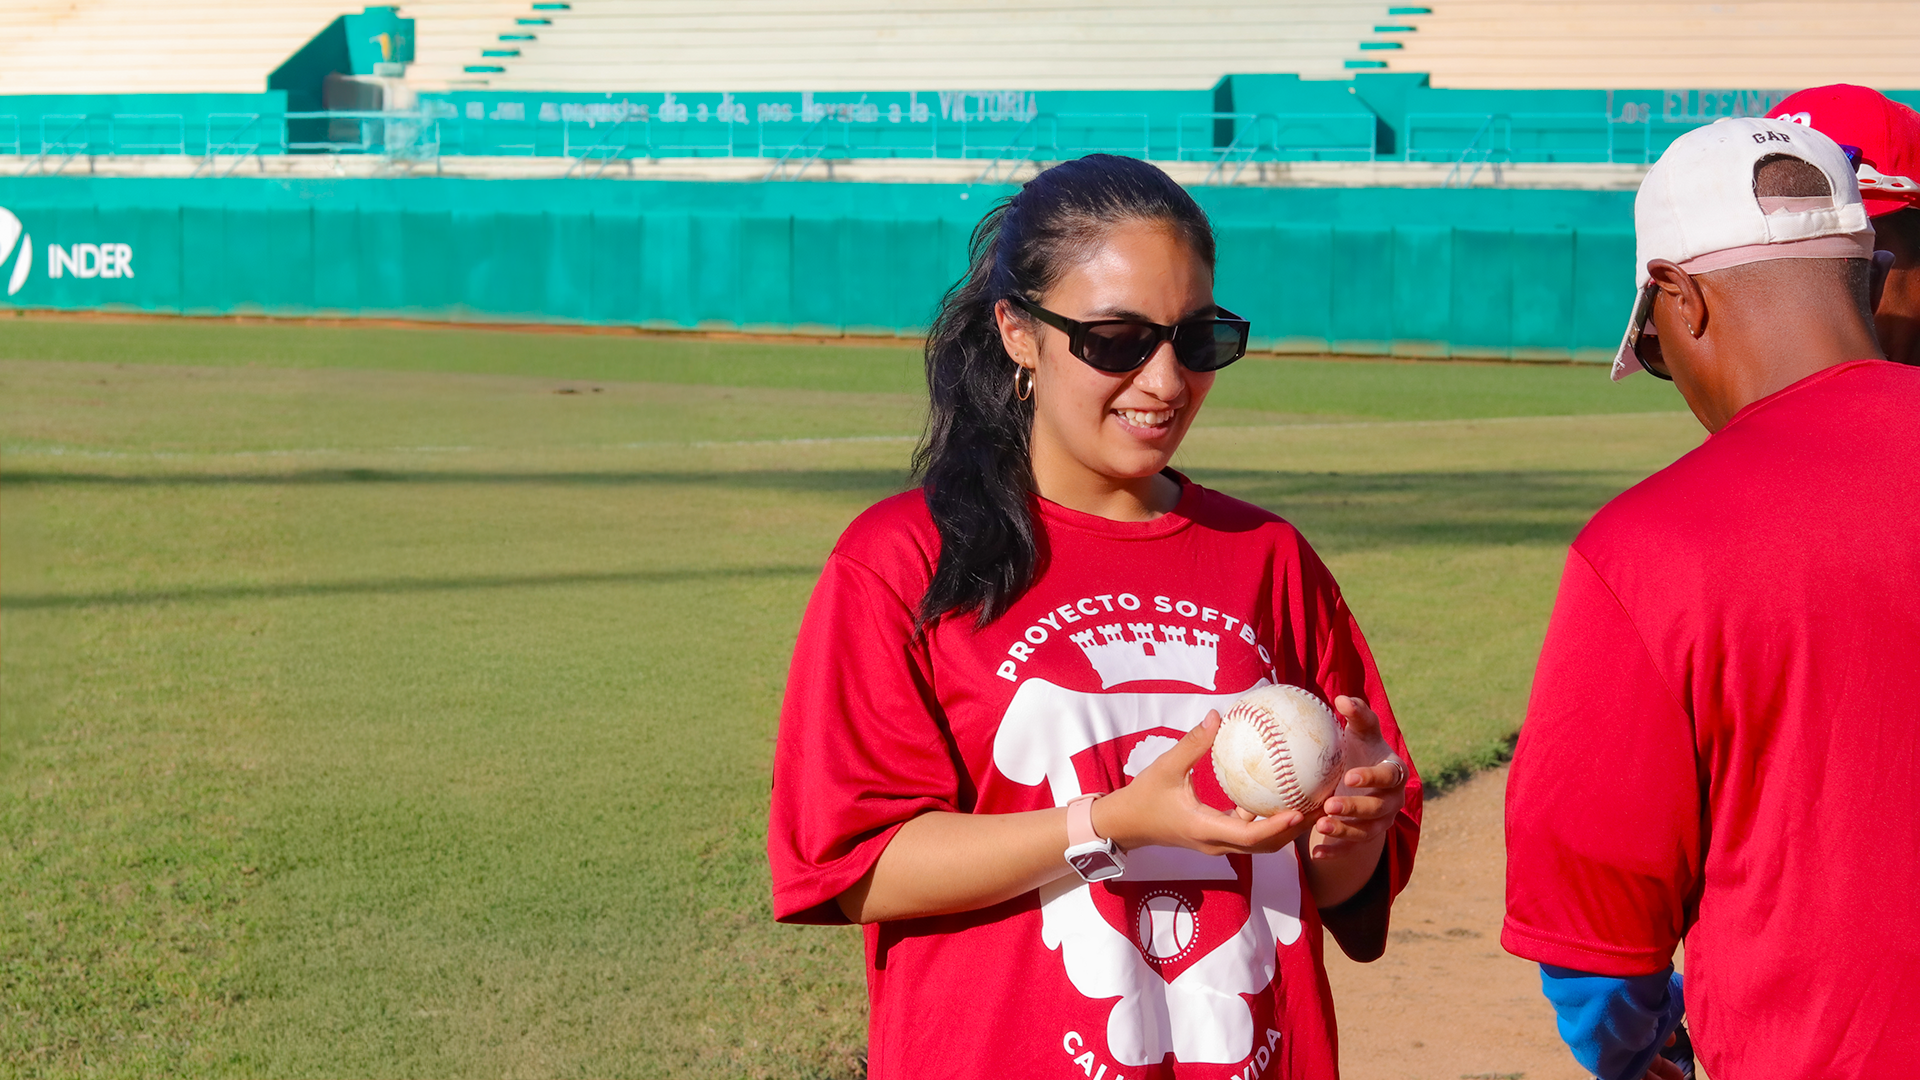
(1080, 821)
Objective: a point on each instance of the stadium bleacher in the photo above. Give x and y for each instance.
(1466, 82)
(206, 46)
(189, 46)
(1584, 44)
(452, 35)
(748, 45)
(142, 47)
(210, 46)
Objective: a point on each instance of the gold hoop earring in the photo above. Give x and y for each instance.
(1018, 395)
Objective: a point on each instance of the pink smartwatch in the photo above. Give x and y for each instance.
(1093, 858)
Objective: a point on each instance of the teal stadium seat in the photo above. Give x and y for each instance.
(1616, 44)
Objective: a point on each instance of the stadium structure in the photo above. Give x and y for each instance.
(1448, 178)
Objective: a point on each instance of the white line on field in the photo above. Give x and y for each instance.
(28, 450)
(1331, 425)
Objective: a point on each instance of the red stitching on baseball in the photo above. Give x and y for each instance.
(1278, 753)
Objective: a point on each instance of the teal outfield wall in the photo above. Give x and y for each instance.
(1465, 272)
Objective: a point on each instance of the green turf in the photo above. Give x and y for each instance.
(1400, 390)
(372, 705)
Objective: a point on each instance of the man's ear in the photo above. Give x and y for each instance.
(1016, 336)
(1683, 292)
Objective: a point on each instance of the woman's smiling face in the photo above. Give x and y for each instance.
(1097, 434)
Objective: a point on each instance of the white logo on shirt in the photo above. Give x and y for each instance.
(1146, 753)
(1171, 995)
(1122, 644)
(1166, 926)
(1168, 657)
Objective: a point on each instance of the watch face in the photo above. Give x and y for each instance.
(1096, 865)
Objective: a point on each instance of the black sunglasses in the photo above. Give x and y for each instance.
(1116, 346)
(1643, 339)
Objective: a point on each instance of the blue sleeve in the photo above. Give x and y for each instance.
(1615, 1027)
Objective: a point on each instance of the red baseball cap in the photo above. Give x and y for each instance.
(1885, 132)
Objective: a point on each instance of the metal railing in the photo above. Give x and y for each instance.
(1103, 133)
(1235, 140)
(225, 139)
(832, 136)
(355, 131)
(1228, 142)
(62, 142)
(67, 136)
(799, 156)
(1206, 145)
(684, 139)
(1054, 137)
(524, 133)
(1012, 154)
(604, 149)
(150, 124)
(1479, 151)
(1478, 140)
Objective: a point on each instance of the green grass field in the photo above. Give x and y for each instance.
(400, 702)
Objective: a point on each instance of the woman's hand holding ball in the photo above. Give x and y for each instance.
(1161, 807)
(1372, 790)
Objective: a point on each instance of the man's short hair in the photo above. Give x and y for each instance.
(1783, 176)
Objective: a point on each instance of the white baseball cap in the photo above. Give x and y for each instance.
(1696, 208)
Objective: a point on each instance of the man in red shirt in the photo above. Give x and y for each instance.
(1726, 712)
(1882, 137)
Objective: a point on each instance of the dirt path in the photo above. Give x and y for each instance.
(1445, 1003)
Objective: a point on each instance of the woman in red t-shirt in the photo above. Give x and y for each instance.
(1030, 652)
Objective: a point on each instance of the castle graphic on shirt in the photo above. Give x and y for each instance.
(1177, 940)
(1140, 651)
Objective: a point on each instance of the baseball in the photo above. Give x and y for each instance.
(1278, 748)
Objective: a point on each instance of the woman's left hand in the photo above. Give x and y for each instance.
(1371, 792)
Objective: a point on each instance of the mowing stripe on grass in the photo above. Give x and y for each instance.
(1383, 388)
(29, 450)
(391, 586)
(1458, 421)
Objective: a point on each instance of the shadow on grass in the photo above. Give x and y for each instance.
(882, 481)
(392, 586)
(1339, 512)
(1342, 512)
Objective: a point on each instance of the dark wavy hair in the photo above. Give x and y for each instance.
(973, 462)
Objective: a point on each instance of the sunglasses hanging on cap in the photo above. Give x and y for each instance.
(1117, 346)
(1875, 183)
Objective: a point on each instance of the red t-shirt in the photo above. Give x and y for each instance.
(1190, 965)
(1723, 732)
